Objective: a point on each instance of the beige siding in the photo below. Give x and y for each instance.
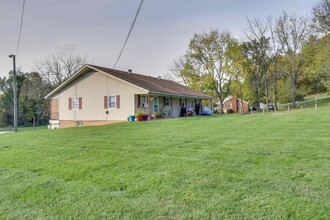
(92, 87)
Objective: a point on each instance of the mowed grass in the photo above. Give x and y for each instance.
(266, 166)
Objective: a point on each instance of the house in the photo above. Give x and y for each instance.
(235, 104)
(97, 95)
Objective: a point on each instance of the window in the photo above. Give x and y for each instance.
(156, 104)
(183, 102)
(229, 105)
(239, 104)
(167, 102)
(112, 101)
(75, 103)
(143, 102)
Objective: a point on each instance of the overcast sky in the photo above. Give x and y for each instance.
(97, 28)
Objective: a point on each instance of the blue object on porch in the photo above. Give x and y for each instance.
(131, 118)
(207, 111)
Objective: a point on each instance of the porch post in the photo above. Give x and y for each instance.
(148, 104)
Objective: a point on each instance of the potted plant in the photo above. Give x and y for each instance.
(141, 115)
(156, 115)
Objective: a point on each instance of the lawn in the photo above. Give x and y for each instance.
(265, 166)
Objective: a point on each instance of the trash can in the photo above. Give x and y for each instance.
(131, 118)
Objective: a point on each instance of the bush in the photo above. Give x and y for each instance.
(229, 111)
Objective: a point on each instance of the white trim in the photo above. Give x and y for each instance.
(72, 105)
(179, 95)
(112, 102)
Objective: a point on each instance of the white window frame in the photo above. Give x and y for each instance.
(229, 105)
(167, 99)
(75, 103)
(109, 102)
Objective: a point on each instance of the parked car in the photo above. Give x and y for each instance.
(271, 107)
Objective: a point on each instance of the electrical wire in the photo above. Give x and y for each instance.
(20, 28)
(129, 32)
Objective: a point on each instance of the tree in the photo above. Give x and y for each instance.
(6, 100)
(210, 63)
(56, 68)
(275, 71)
(321, 16)
(31, 90)
(292, 32)
(253, 64)
(258, 35)
(316, 74)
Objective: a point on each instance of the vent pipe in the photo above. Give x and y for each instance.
(129, 71)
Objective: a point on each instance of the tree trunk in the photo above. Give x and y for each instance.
(275, 94)
(221, 107)
(294, 93)
(266, 93)
(258, 95)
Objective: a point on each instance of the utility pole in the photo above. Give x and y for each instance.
(14, 91)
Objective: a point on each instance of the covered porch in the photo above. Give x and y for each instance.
(168, 105)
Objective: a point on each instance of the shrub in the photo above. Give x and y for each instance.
(229, 111)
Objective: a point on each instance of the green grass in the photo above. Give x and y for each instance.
(323, 100)
(265, 166)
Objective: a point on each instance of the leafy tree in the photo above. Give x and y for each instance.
(254, 64)
(258, 32)
(6, 99)
(321, 16)
(210, 63)
(31, 90)
(316, 73)
(292, 32)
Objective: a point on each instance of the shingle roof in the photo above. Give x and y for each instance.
(152, 84)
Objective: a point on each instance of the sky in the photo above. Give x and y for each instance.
(97, 29)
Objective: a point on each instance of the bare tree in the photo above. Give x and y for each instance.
(56, 68)
(292, 32)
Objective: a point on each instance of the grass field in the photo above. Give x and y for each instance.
(266, 166)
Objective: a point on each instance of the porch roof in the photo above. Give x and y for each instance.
(153, 84)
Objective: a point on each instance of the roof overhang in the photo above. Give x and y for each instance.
(84, 69)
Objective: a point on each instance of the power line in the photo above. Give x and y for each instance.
(129, 32)
(20, 27)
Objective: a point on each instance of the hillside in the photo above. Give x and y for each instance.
(252, 166)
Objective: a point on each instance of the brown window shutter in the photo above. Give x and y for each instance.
(106, 105)
(118, 101)
(139, 100)
(80, 103)
(70, 103)
(171, 102)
